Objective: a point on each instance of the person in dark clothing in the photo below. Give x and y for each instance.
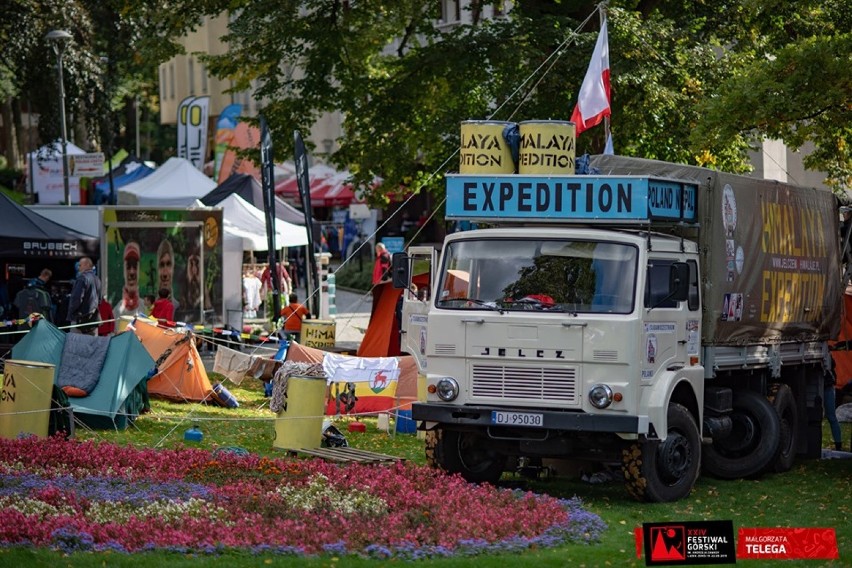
(85, 298)
(35, 298)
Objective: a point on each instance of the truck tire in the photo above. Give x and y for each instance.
(781, 398)
(467, 453)
(663, 471)
(753, 442)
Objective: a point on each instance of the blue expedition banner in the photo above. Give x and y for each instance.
(558, 198)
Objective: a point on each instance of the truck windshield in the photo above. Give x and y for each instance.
(559, 275)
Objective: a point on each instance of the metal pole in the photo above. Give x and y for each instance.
(57, 38)
(64, 127)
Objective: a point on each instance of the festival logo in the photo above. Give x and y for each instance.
(690, 542)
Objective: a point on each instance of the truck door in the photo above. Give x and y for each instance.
(415, 304)
(665, 331)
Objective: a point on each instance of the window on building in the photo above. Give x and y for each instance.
(172, 81)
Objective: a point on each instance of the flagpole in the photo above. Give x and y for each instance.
(607, 131)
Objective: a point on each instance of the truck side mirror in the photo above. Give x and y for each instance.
(679, 281)
(400, 270)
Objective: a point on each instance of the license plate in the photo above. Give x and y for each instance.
(517, 419)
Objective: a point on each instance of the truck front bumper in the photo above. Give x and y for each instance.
(573, 421)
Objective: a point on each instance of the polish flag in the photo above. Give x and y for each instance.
(593, 103)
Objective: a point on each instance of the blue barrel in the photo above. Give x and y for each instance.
(404, 423)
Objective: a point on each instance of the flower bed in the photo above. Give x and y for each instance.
(74, 495)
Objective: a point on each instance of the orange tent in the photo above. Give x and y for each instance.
(369, 400)
(382, 336)
(181, 374)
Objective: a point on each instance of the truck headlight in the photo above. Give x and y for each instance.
(600, 396)
(447, 389)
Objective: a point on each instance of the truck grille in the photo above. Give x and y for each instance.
(525, 383)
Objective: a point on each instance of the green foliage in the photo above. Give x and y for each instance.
(681, 78)
(10, 177)
(355, 275)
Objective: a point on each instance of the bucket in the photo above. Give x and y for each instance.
(123, 322)
(300, 424)
(404, 423)
(317, 333)
(484, 150)
(547, 147)
(25, 399)
(383, 423)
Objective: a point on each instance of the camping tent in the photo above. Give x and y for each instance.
(249, 188)
(46, 173)
(25, 234)
(181, 375)
(382, 336)
(371, 398)
(119, 395)
(177, 183)
(131, 170)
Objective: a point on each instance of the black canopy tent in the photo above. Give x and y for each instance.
(249, 188)
(30, 242)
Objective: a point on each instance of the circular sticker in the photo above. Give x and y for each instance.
(729, 210)
(211, 232)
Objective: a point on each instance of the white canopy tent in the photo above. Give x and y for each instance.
(177, 183)
(244, 227)
(244, 220)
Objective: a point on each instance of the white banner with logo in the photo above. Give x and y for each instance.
(378, 371)
(193, 113)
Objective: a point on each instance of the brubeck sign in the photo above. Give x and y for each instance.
(565, 198)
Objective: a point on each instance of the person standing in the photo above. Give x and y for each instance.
(381, 274)
(163, 308)
(293, 314)
(251, 293)
(84, 300)
(382, 265)
(35, 298)
(107, 316)
(829, 402)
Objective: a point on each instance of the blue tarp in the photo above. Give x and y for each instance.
(135, 174)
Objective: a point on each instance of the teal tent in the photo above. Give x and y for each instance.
(121, 392)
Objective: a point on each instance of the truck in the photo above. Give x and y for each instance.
(670, 319)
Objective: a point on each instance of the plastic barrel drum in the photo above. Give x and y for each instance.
(404, 423)
(547, 147)
(317, 333)
(300, 424)
(484, 150)
(25, 399)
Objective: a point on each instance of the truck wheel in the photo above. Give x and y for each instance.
(663, 471)
(781, 398)
(753, 442)
(467, 453)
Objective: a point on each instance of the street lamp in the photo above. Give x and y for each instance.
(57, 39)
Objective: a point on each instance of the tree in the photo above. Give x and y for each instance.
(404, 85)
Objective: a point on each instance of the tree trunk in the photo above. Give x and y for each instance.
(10, 137)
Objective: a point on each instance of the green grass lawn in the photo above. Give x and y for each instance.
(816, 493)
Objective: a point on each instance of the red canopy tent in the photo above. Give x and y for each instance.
(329, 188)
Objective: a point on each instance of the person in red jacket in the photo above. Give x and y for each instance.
(107, 326)
(163, 307)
